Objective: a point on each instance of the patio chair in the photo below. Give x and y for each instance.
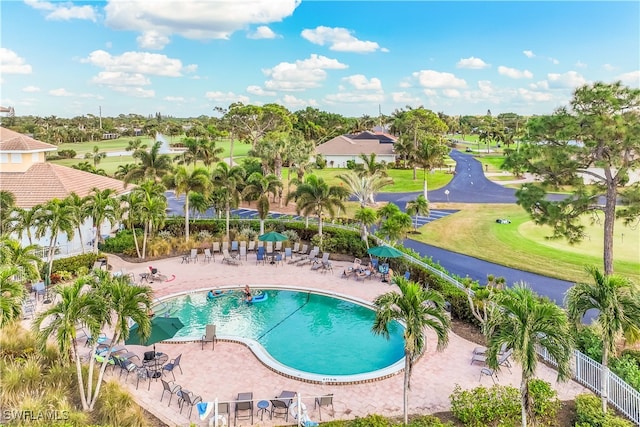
(490, 373)
(326, 267)
(304, 250)
(172, 365)
(225, 245)
(224, 410)
(234, 246)
(296, 247)
(504, 359)
(252, 246)
(323, 401)
(310, 259)
(277, 259)
(279, 409)
(243, 253)
(260, 256)
(259, 244)
(193, 257)
(243, 403)
(269, 247)
(188, 398)
(407, 275)
(278, 246)
(169, 387)
(209, 336)
(317, 263)
(216, 247)
(288, 254)
(226, 257)
(287, 397)
(208, 256)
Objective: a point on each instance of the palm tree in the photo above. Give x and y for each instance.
(315, 196)
(367, 217)
(227, 181)
(24, 221)
(102, 205)
(54, 217)
(186, 182)
(80, 212)
(209, 152)
(24, 259)
(370, 166)
(365, 186)
(261, 186)
(418, 206)
(190, 154)
(617, 301)
(418, 309)
(7, 203)
(395, 227)
(75, 306)
(96, 156)
(153, 165)
(12, 295)
(429, 155)
(149, 203)
(523, 322)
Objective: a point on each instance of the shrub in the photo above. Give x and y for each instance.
(120, 243)
(73, 264)
(371, 421)
(545, 401)
(588, 342)
(627, 368)
(498, 405)
(67, 154)
(427, 421)
(589, 413)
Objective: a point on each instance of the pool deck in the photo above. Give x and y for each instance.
(232, 368)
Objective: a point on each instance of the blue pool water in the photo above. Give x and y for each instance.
(308, 332)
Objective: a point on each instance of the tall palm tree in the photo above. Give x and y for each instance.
(209, 152)
(7, 203)
(54, 218)
(395, 227)
(80, 212)
(102, 205)
(365, 186)
(185, 182)
(149, 204)
(617, 301)
(316, 196)
(261, 186)
(191, 153)
(367, 217)
(418, 206)
(418, 309)
(522, 322)
(96, 156)
(24, 259)
(24, 221)
(227, 181)
(12, 295)
(429, 155)
(75, 305)
(152, 165)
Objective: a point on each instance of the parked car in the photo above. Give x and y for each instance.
(503, 221)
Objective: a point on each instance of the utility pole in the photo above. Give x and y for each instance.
(100, 115)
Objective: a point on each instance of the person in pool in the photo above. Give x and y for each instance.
(247, 294)
(213, 293)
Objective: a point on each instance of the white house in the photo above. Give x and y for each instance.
(339, 150)
(25, 173)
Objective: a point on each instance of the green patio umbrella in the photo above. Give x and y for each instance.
(272, 236)
(385, 252)
(162, 328)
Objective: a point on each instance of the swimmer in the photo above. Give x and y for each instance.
(247, 293)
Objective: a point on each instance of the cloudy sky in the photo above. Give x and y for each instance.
(186, 57)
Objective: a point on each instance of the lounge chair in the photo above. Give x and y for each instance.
(252, 246)
(226, 257)
(169, 387)
(490, 373)
(278, 246)
(326, 267)
(208, 256)
(287, 397)
(288, 253)
(363, 273)
(279, 409)
(225, 245)
(244, 403)
(308, 259)
(304, 250)
(234, 246)
(216, 247)
(193, 257)
(209, 336)
(269, 247)
(317, 263)
(296, 247)
(243, 253)
(323, 401)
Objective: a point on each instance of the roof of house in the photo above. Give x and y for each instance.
(344, 146)
(46, 181)
(15, 141)
(380, 136)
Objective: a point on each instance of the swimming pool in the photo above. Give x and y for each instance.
(301, 334)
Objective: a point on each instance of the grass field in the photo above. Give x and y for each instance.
(522, 245)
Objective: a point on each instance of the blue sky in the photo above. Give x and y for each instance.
(183, 58)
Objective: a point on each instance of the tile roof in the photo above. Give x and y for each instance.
(15, 141)
(343, 145)
(46, 181)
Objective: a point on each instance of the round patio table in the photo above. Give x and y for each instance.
(155, 365)
(263, 405)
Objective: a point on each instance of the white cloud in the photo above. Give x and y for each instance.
(60, 11)
(360, 82)
(472, 63)
(354, 97)
(451, 93)
(31, 89)
(119, 78)
(174, 98)
(136, 92)
(262, 32)
(340, 39)
(293, 103)
(258, 91)
(152, 40)
(529, 54)
(514, 73)
(542, 84)
(554, 61)
(218, 96)
(570, 79)
(11, 63)
(581, 64)
(301, 75)
(138, 62)
(631, 78)
(534, 96)
(435, 79)
(405, 98)
(195, 19)
(60, 92)
(609, 67)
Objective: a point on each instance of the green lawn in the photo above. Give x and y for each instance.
(523, 245)
(403, 179)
